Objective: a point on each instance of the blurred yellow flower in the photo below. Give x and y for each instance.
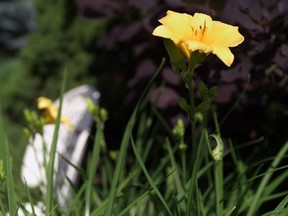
(199, 32)
(50, 112)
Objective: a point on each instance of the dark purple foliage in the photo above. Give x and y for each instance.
(262, 57)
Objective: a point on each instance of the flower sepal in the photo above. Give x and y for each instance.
(196, 59)
(177, 58)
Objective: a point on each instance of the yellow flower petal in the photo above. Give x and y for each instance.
(163, 31)
(177, 22)
(199, 32)
(224, 35)
(44, 102)
(200, 19)
(202, 47)
(51, 112)
(184, 48)
(224, 54)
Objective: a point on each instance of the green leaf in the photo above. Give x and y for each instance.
(202, 90)
(205, 93)
(212, 93)
(183, 104)
(202, 107)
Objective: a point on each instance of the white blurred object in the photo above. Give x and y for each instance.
(38, 209)
(70, 145)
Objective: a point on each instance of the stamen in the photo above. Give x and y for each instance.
(202, 29)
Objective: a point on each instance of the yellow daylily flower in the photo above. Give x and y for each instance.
(50, 112)
(199, 32)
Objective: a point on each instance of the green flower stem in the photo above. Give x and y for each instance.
(190, 86)
(218, 174)
(192, 184)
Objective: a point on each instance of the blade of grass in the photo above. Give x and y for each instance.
(49, 202)
(5, 156)
(162, 121)
(163, 164)
(2, 207)
(236, 103)
(176, 175)
(195, 169)
(275, 183)
(120, 163)
(202, 206)
(255, 203)
(282, 212)
(125, 143)
(269, 171)
(79, 169)
(274, 196)
(76, 200)
(176, 206)
(93, 167)
(150, 180)
(124, 183)
(281, 205)
(241, 196)
(139, 198)
(30, 199)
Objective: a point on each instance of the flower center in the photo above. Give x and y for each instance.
(198, 33)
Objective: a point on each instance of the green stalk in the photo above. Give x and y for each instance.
(195, 158)
(195, 59)
(191, 115)
(218, 175)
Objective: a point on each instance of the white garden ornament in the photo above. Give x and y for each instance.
(71, 145)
